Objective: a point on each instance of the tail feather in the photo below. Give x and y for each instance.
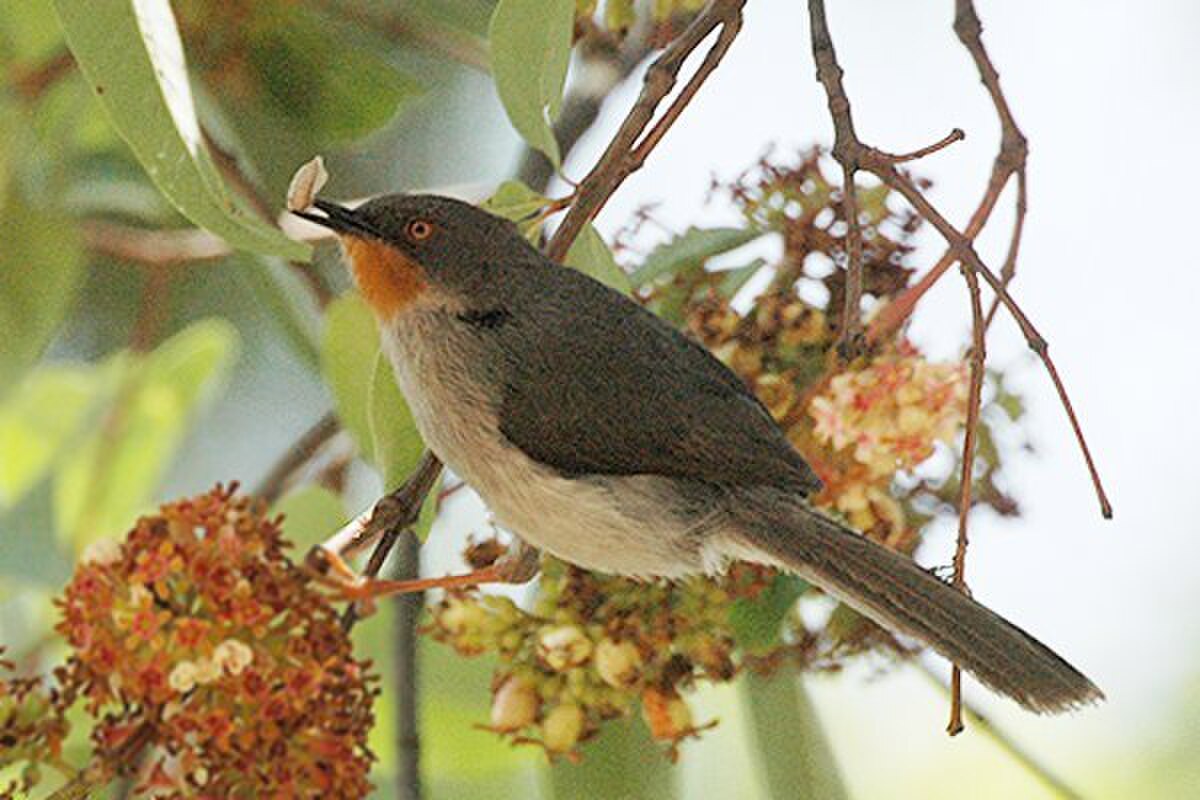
(897, 593)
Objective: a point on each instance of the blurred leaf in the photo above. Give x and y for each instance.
(591, 256)
(691, 246)
(110, 478)
(130, 52)
(365, 394)
(40, 417)
(530, 44)
(622, 762)
(278, 294)
(757, 622)
(334, 87)
(311, 514)
(792, 751)
(41, 266)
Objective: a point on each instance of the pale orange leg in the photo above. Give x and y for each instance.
(373, 589)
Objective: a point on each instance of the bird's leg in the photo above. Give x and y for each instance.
(518, 565)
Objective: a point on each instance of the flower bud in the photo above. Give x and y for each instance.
(563, 646)
(666, 714)
(514, 705)
(619, 663)
(562, 728)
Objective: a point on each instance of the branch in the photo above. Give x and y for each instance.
(855, 155)
(632, 143)
(1010, 160)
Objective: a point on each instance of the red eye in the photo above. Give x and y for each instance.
(419, 230)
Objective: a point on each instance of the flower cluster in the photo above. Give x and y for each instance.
(198, 643)
(594, 647)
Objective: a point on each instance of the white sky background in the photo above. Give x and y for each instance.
(1106, 94)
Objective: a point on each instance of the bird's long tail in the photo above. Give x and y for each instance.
(894, 591)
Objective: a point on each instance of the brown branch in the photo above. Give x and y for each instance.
(974, 402)
(854, 155)
(632, 143)
(300, 453)
(1010, 160)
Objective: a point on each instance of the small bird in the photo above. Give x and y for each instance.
(595, 431)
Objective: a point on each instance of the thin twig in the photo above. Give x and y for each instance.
(1010, 160)
(300, 453)
(956, 135)
(632, 143)
(406, 671)
(1042, 773)
(853, 154)
(974, 401)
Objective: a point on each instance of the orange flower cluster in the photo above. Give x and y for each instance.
(199, 637)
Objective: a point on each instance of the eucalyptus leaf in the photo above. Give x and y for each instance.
(591, 256)
(515, 201)
(41, 266)
(691, 246)
(102, 485)
(131, 55)
(530, 43)
(365, 394)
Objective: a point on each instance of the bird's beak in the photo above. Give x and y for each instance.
(341, 220)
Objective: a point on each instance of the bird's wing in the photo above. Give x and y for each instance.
(599, 385)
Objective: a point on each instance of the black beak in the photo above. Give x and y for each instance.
(340, 219)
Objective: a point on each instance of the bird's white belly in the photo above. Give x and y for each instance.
(617, 525)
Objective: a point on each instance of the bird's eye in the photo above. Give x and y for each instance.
(419, 230)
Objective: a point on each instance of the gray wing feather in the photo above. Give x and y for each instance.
(623, 393)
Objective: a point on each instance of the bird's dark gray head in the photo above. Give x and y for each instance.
(399, 245)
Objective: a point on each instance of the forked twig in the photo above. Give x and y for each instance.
(633, 143)
(854, 155)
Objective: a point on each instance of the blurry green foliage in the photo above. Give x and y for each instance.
(110, 476)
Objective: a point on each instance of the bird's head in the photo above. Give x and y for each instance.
(406, 248)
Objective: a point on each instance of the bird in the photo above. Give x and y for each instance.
(596, 432)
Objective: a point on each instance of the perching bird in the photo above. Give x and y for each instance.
(598, 433)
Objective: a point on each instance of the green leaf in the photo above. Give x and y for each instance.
(365, 394)
(530, 43)
(110, 478)
(41, 266)
(130, 53)
(791, 748)
(756, 622)
(311, 514)
(41, 416)
(591, 256)
(691, 246)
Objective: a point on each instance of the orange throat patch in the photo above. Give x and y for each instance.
(389, 280)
